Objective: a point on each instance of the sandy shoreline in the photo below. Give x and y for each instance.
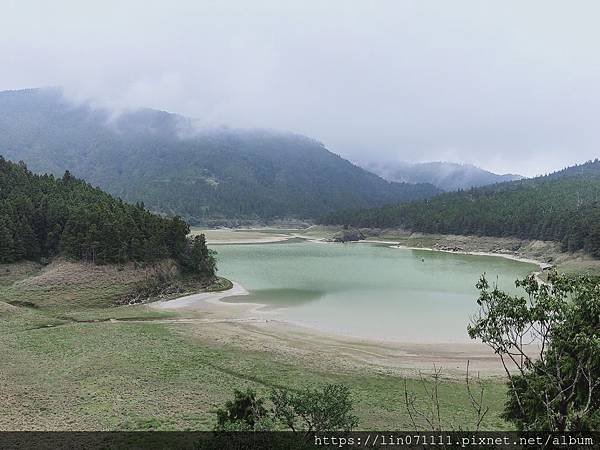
(261, 328)
(251, 326)
(245, 236)
(196, 301)
(542, 265)
(262, 240)
(266, 240)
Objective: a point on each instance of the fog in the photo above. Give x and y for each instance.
(510, 86)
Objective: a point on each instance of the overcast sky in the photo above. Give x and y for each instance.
(511, 86)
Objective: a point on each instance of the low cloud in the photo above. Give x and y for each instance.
(509, 86)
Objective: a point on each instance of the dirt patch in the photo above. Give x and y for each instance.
(324, 352)
(62, 272)
(241, 236)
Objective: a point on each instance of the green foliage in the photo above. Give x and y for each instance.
(196, 258)
(551, 341)
(310, 410)
(41, 216)
(160, 159)
(564, 207)
(314, 410)
(245, 412)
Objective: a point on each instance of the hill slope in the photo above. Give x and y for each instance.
(563, 206)
(164, 161)
(41, 217)
(444, 175)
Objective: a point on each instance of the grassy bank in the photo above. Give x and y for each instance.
(65, 366)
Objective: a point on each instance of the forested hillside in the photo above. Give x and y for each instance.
(42, 216)
(563, 206)
(173, 167)
(444, 175)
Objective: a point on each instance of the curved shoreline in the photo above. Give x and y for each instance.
(248, 325)
(194, 301)
(254, 322)
(540, 264)
(266, 240)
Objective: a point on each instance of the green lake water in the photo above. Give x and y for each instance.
(366, 290)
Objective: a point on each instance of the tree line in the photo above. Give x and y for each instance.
(563, 207)
(42, 216)
(163, 160)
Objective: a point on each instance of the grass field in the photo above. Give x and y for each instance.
(66, 367)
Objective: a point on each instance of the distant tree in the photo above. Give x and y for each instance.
(196, 258)
(177, 230)
(67, 177)
(549, 344)
(592, 244)
(7, 246)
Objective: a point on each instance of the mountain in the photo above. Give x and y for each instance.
(563, 206)
(164, 161)
(42, 216)
(444, 175)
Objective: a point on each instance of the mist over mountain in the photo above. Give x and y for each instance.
(163, 160)
(447, 176)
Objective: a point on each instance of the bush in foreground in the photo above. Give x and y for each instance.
(549, 344)
(310, 410)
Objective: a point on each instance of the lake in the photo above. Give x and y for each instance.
(365, 289)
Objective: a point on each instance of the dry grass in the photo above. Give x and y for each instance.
(72, 286)
(11, 273)
(67, 273)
